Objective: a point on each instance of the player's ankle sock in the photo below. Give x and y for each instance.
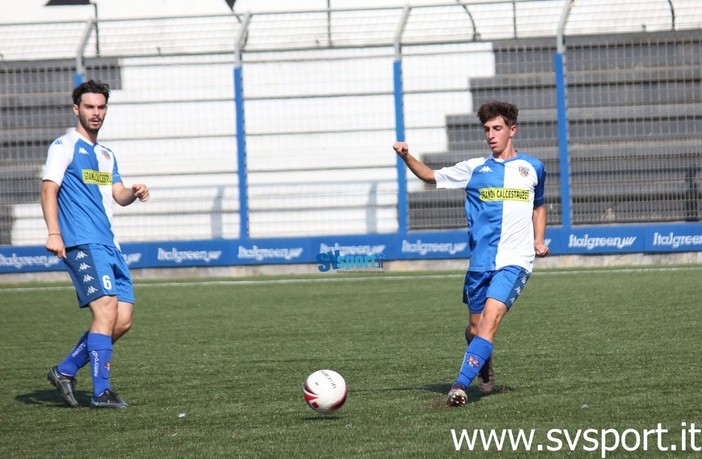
(77, 358)
(477, 353)
(100, 352)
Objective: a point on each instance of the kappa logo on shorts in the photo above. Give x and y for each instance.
(91, 290)
(87, 278)
(80, 255)
(84, 266)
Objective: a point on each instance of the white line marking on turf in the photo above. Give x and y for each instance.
(383, 277)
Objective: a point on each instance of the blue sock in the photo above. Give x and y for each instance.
(468, 340)
(100, 352)
(76, 359)
(477, 353)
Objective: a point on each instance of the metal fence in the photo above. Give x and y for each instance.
(281, 124)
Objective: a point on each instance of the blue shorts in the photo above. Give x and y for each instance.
(98, 270)
(504, 285)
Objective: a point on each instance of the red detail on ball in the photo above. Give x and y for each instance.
(310, 397)
(341, 402)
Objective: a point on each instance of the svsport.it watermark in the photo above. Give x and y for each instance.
(333, 260)
(688, 438)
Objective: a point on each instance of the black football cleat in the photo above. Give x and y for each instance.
(64, 384)
(107, 399)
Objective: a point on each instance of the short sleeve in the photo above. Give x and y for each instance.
(57, 161)
(454, 176)
(116, 178)
(539, 199)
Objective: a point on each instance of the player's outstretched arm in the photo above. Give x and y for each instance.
(418, 168)
(125, 196)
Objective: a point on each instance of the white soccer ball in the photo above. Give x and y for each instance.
(325, 391)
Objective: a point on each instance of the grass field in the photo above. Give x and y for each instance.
(215, 368)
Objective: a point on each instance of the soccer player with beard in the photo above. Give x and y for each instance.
(80, 183)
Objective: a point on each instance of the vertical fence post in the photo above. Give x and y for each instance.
(402, 205)
(241, 130)
(563, 154)
(562, 118)
(79, 76)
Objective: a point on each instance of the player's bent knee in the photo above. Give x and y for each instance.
(120, 330)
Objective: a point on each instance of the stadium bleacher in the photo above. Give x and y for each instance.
(34, 110)
(634, 102)
(634, 108)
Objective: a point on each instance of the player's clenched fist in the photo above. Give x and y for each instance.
(141, 192)
(401, 148)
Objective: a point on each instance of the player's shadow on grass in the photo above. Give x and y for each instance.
(51, 398)
(473, 392)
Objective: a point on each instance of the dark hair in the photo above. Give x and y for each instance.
(92, 87)
(493, 109)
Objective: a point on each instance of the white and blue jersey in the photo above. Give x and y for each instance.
(85, 173)
(500, 199)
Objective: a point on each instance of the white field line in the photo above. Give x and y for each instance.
(377, 277)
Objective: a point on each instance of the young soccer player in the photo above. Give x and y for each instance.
(506, 230)
(80, 183)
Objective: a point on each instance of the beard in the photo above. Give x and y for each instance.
(90, 126)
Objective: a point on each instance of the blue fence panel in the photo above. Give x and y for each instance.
(438, 245)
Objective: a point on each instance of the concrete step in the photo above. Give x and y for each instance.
(604, 123)
(14, 101)
(669, 85)
(24, 118)
(20, 182)
(54, 76)
(48, 134)
(24, 151)
(612, 51)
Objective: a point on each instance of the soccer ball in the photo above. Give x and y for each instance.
(325, 391)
